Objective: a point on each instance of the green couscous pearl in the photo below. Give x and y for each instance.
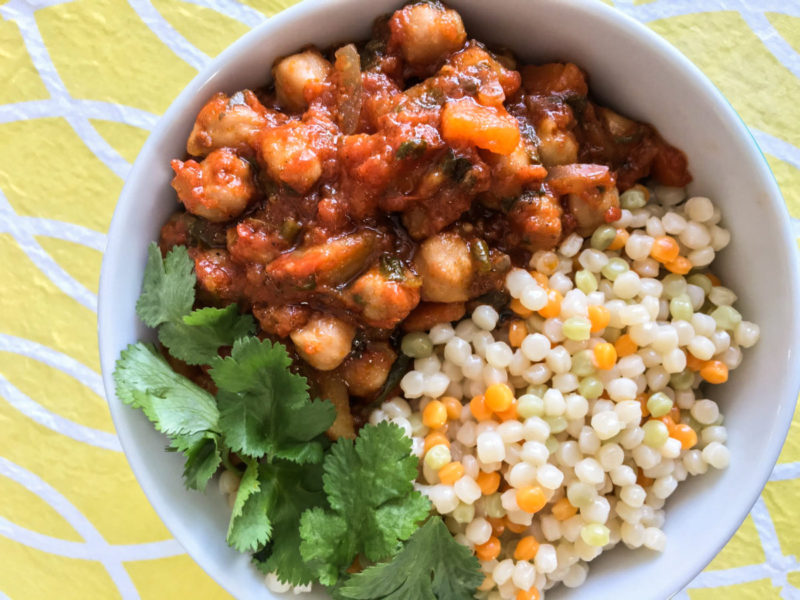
(611, 334)
(464, 513)
(416, 345)
(529, 405)
(580, 494)
(682, 381)
(557, 424)
(585, 281)
(655, 433)
(700, 281)
(632, 199)
(726, 317)
(537, 390)
(590, 388)
(602, 237)
(551, 444)
(582, 363)
(437, 457)
(615, 267)
(494, 506)
(595, 534)
(674, 285)
(659, 404)
(577, 328)
(680, 307)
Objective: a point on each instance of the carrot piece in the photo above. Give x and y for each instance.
(464, 121)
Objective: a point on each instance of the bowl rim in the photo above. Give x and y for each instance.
(598, 10)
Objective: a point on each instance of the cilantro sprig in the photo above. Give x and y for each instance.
(168, 294)
(431, 566)
(369, 487)
(306, 509)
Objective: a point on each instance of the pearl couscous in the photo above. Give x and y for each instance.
(553, 431)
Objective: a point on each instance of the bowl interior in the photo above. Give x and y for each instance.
(633, 71)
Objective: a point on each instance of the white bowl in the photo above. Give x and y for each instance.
(634, 71)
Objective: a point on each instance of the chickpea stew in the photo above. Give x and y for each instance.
(387, 185)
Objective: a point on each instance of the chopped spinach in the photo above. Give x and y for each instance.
(411, 149)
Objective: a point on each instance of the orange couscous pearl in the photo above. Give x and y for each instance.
(488, 551)
(625, 346)
(488, 482)
(436, 438)
(531, 594)
(605, 356)
(498, 397)
(478, 407)
(531, 498)
(685, 435)
(553, 307)
(452, 406)
(620, 239)
(665, 249)
(519, 309)
(714, 371)
(563, 510)
(434, 415)
(679, 266)
(517, 331)
(526, 549)
(451, 472)
(599, 317)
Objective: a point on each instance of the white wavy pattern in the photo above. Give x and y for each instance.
(24, 229)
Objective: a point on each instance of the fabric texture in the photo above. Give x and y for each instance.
(82, 96)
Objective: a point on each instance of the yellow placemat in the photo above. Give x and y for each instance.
(73, 521)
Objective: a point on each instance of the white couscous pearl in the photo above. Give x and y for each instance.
(499, 354)
(705, 411)
(479, 531)
(503, 571)
(485, 317)
(490, 447)
(716, 455)
(545, 559)
(413, 384)
(467, 490)
(622, 388)
(549, 476)
(535, 347)
(699, 209)
(524, 575)
(654, 539)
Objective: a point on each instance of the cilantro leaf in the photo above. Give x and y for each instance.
(196, 338)
(431, 566)
(369, 485)
(249, 528)
(264, 407)
(168, 286)
(291, 490)
(203, 458)
(172, 402)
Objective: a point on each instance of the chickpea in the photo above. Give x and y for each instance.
(427, 33)
(445, 265)
(384, 302)
(228, 122)
(366, 373)
(556, 146)
(324, 341)
(218, 189)
(289, 157)
(292, 74)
